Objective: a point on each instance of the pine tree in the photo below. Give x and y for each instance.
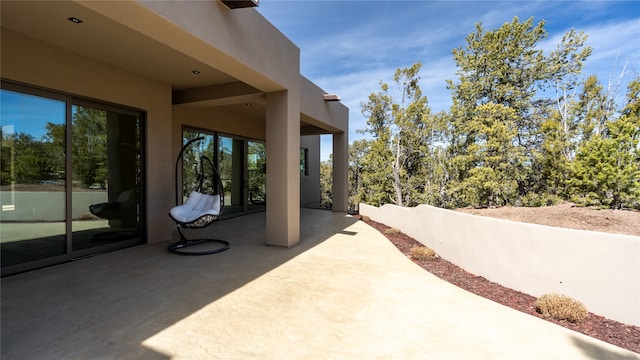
(607, 167)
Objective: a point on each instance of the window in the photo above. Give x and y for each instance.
(241, 163)
(257, 175)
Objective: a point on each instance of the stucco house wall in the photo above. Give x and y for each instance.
(184, 63)
(37, 63)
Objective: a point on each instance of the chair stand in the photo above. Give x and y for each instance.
(182, 247)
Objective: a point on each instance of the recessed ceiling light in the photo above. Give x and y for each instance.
(74, 20)
(195, 72)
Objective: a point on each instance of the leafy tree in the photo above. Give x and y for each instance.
(357, 150)
(398, 122)
(6, 171)
(593, 110)
(607, 167)
(57, 144)
(565, 65)
(551, 165)
(524, 128)
(326, 183)
(257, 171)
(377, 173)
(505, 67)
(89, 145)
(493, 178)
(502, 67)
(32, 161)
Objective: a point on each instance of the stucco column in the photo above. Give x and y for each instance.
(283, 168)
(340, 172)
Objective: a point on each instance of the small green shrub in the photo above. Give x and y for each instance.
(561, 307)
(422, 253)
(536, 200)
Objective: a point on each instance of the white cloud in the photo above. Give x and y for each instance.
(348, 47)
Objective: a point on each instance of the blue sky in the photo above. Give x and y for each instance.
(347, 47)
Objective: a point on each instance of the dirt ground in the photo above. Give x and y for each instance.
(568, 215)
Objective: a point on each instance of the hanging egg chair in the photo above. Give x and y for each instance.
(202, 208)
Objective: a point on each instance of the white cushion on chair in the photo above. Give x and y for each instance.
(196, 206)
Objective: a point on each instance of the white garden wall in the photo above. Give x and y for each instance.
(599, 269)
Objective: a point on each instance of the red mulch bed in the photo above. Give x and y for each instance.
(598, 327)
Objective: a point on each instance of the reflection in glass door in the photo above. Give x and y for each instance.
(242, 165)
(70, 178)
(106, 177)
(257, 175)
(32, 181)
(231, 164)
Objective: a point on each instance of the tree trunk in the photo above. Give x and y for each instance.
(396, 176)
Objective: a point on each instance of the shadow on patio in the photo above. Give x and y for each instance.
(108, 306)
(344, 292)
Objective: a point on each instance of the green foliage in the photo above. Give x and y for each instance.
(551, 164)
(377, 174)
(357, 151)
(90, 146)
(502, 142)
(257, 169)
(399, 123)
(500, 66)
(34, 162)
(607, 167)
(326, 183)
(29, 160)
(494, 124)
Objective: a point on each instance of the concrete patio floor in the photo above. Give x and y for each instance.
(344, 292)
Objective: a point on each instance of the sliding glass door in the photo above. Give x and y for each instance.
(105, 177)
(257, 176)
(231, 165)
(241, 164)
(33, 181)
(71, 179)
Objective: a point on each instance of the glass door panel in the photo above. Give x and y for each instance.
(257, 176)
(32, 180)
(106, 177)
(191, 160)
(240, 162)
(231, 165)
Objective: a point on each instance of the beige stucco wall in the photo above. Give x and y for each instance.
(244, 44)
(40, 64)
(601, 270)
(334, 117)
(216, 119)
(330, 115)
(241, 44)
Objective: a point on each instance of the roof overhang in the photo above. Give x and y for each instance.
(135, 38)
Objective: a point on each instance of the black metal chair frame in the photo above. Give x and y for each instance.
(182, 246)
